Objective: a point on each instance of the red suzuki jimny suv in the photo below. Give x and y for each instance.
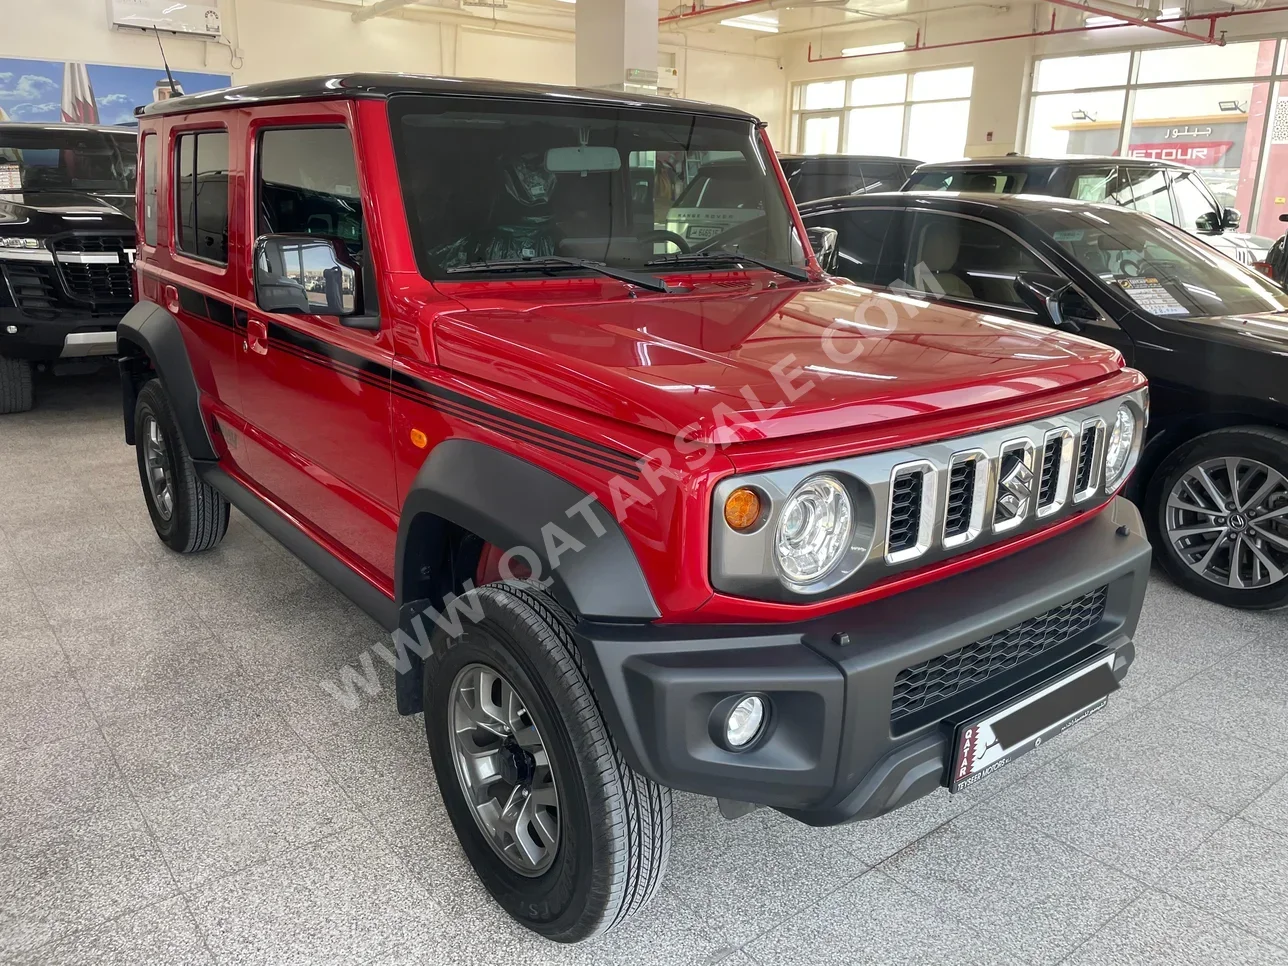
(646, 504)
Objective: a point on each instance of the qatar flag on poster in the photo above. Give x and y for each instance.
(1197, 154)
(78, 105)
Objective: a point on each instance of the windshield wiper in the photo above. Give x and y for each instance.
(650, 282)
(721, 255)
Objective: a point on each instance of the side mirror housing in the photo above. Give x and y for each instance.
(823, 241)
(1207, 222)
(302, 274)
(1231, 218)
(1045, 293)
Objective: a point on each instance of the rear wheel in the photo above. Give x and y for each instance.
(189, 515)
(1218, 512)
(566, 837)
(16, 392)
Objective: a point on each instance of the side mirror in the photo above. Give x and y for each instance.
(1207, 222)
(309, 275)
(1045, 294)
(1231, 218)
(823, 241)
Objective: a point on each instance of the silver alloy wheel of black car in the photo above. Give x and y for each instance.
(1227, 519)
(504, 769)
(157, 468)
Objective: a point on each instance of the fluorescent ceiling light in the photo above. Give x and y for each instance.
(1103, 21)
(893, 48)
(1169, 13)
(764, 22)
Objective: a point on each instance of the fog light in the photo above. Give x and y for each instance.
(744, 721)
(11, 329)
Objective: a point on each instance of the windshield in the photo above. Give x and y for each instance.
(1162, 269)
(498, 180)
(67, 158)
(1006, 180)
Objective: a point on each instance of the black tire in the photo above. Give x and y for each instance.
(1268, 446)
(614, 824)
(16, 393)
(198, 518)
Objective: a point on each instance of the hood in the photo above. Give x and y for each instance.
(1266, 332)
(731, 364)
(1242, 241)
(40, 214)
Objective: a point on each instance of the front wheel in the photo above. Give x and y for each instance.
(1218, 515)
(16, 392)
(564, 835)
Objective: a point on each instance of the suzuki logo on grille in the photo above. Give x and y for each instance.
(1015, 485)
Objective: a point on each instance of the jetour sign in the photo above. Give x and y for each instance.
(1198, 154)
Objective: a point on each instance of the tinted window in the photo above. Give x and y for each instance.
(883, 177)
(151, 177)
(1192, 204)
(201, 198)
(1149, 192)
(308, 183)
(860, 234)
(1100, 185)
(1000, 180)
(487, 180)
(967, 259)
(67, 158)
(810, 184)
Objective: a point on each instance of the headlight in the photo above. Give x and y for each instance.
(813, 529)
(1118, 450)
(20, 243)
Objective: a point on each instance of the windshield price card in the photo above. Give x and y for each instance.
(1151, 296)
(994, 741)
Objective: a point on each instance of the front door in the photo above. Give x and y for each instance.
(314, 394)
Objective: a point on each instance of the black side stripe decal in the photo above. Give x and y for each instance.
(483, 414)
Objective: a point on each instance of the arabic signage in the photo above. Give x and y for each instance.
(1198, 154)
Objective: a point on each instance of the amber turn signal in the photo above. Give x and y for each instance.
(419, 439)
(742, 509)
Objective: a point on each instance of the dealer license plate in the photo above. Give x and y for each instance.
(992, 742)
(696, 231)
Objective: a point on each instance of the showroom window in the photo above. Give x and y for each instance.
(921, 114)
(308, 184)
(201, 195)
(151, 179)
(1221, 110)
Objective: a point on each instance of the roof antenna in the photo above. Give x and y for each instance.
(174, 91)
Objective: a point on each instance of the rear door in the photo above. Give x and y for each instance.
(315, 394)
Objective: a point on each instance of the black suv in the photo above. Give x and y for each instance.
(66, 248)
(1174, 192)
(813, 176)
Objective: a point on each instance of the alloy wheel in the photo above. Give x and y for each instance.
(154, 455)
(1227, 519)
(504, 769)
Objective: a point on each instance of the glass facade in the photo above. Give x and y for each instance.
(921, 114)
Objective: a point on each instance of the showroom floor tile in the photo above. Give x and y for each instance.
(176, 786)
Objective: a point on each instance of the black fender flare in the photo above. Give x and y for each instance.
(506, 501)
(149, 330)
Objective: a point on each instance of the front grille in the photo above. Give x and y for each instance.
(961, 495)
(905, 510)
(937, 680)
(1086, 459)
(1050, 472)
(98, 283)
(98, 244)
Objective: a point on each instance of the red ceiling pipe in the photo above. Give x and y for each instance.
(1137, 22)
(1211, 18)
(696, 11)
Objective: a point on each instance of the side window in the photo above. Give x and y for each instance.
(307, 183)
(967, 259)
(201, 195)
(860, 235)
(1149, 192)
(1095, 184)
(1192, 204)
(151, 177)
(882, 177)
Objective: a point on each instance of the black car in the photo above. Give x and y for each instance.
(1173, 192)
(66, 248)
(1211, 335)
(811, 176)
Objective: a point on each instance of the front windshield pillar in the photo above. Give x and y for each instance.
(616, 46)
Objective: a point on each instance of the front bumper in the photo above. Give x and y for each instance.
(44, 340)
(831, 752)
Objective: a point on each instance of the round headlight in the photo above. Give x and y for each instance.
(1118, 450)
(813, 529)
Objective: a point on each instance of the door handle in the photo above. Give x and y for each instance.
(257, 337)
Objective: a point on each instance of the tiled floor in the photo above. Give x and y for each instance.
(177, 788)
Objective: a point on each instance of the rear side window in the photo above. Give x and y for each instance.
(201, 195)
(308, 184)
(151, 177)
(1149, 192)
(882, 177)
